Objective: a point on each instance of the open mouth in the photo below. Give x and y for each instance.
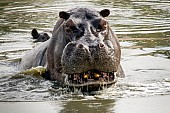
(92, 80)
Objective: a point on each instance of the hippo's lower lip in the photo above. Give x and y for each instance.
(93, 79)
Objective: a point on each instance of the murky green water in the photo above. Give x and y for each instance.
(143, 27)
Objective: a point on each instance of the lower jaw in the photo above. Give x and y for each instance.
(90, 86)
(97, 83)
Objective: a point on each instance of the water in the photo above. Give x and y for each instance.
(143, 28)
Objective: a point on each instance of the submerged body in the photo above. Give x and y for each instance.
(83, 50)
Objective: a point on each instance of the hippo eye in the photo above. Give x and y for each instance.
(99, 28)
(95, 23)
(99, 24)
(71, 27)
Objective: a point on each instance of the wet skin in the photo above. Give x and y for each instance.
(83, 51)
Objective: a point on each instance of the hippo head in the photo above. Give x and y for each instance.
(91, 54)
(39, 37)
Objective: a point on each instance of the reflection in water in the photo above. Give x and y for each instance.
(88, 106)
(143, 28)
(143, 105)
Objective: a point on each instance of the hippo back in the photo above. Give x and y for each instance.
(34, 57)
(37, 56)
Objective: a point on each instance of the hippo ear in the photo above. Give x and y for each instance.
(34, 34)
(46, 35)
(64, 15)
(104, 12)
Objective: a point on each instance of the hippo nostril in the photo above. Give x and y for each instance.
(80, 46)
(101, 45)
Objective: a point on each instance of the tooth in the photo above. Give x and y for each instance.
(96, 75)
(85, 76)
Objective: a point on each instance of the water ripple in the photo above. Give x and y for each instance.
(144, 22)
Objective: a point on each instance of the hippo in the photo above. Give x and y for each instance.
(39, 37)
(82, 53)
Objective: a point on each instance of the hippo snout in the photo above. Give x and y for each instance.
(81, 57)
(75, 58)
